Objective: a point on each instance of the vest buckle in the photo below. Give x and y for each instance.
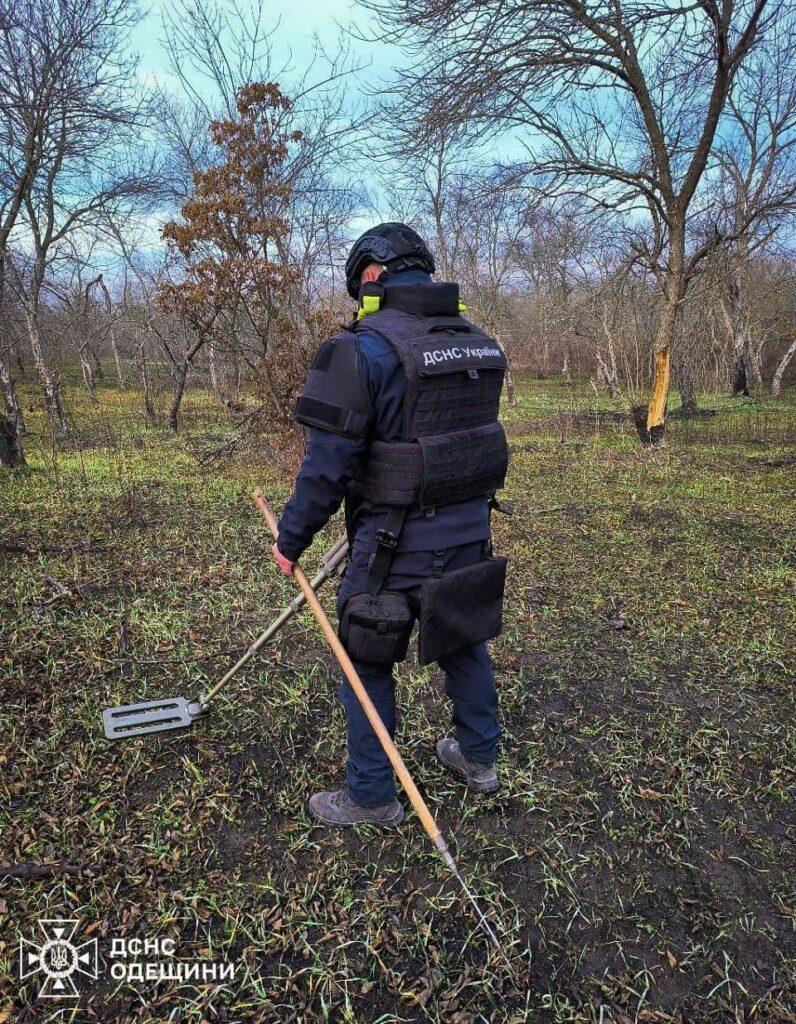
(387, 539)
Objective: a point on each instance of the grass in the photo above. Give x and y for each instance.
(639, 859)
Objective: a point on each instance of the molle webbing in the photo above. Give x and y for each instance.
(392, 474)
(435, 470)
(456, 402)
(466, 464)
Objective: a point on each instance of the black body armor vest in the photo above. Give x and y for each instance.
(453, 445)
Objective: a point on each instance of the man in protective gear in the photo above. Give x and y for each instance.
(402, 408)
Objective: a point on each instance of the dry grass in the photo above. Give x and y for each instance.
(640, 856)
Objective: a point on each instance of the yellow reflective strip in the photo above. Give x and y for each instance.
(368, 304)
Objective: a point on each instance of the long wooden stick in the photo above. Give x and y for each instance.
(352, 676)
(383, 736)
(45, 870)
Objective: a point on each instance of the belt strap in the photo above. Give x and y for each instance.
(386, 541)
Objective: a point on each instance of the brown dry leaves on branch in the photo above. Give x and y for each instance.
(239, 284)
(231, 238)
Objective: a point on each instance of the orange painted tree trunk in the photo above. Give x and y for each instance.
(655, 433)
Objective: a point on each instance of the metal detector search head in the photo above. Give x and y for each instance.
(150, 716)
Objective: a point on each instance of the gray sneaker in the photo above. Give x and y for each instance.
(339, 809)
(481, 778)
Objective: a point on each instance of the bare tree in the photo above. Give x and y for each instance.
(754, 195)
(425, 180)
(216, 52)
(782, 366)
(627, 98)
(784, 327)
(12, 425)
(12, 453)
(70, 106)
(112, 338)
(148, 329)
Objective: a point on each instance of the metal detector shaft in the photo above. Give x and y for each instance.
(419, 804)
(329, 566)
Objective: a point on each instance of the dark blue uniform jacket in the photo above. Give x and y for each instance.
(331, 461)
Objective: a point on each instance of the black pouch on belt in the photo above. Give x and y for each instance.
(461, 607)
(375, 629)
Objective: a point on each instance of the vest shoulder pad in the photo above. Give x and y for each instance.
(335, 395)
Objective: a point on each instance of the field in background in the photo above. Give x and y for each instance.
(640, 855)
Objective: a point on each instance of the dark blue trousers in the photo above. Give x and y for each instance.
(469, 681)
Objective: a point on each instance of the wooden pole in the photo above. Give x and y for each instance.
(417, 801)
(352, 676)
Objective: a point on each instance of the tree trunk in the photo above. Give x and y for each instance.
(742, 368)
(614, 387)
(8, 449)
(181, 377)
(11, 451)
(112, 334)
(511, 398)
(211, 361)
(117, 359)
(688, 398)
(52, 392)
(740, 382)
(779, 373)
(19, 361)
(148, 407)
(609, 372)
(756, 366)
(88, 373)
(179, 391)
(737, 327)
(655, 426)
(655, 423)
(509, 380)
(99, 373)
(656, 410)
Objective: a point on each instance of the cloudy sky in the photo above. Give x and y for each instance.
(298, 28)
(299, 24)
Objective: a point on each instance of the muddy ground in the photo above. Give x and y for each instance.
(639, 860)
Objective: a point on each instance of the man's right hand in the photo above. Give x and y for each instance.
(284, 563)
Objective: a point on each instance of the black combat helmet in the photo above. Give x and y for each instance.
(395, 245)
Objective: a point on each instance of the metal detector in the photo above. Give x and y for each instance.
(150, 716)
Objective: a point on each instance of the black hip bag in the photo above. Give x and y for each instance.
(375, 628)
(461, 607)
